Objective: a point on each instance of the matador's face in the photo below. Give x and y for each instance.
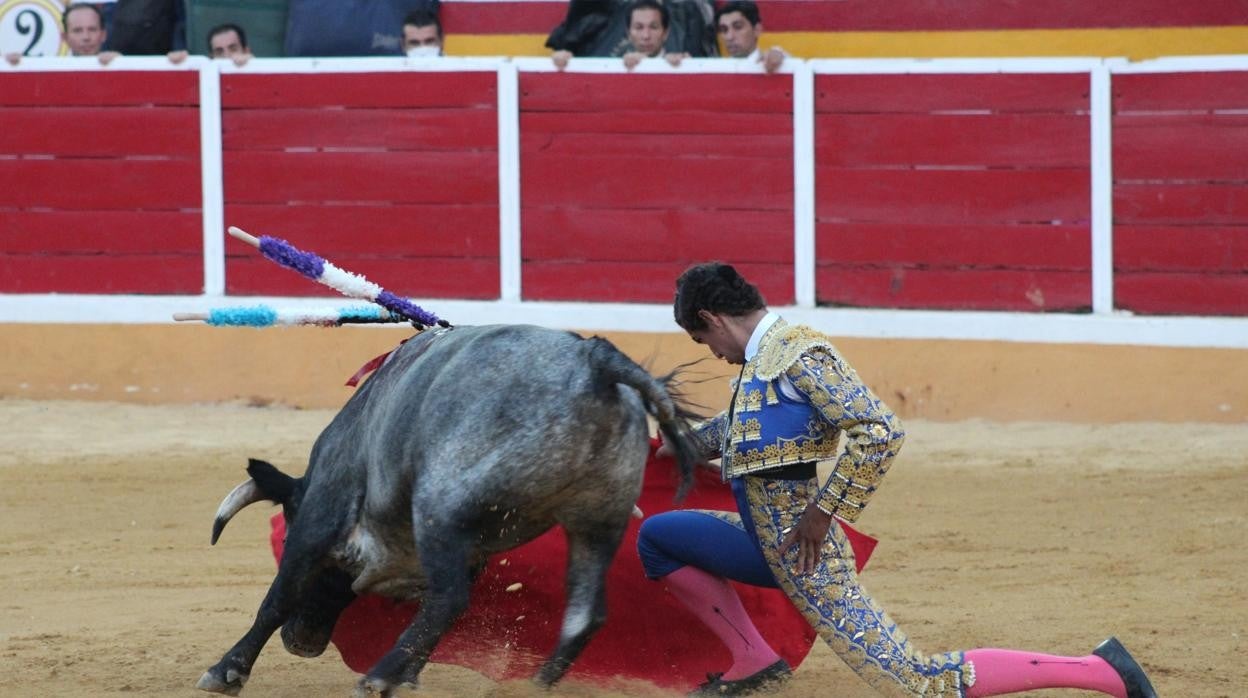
(722, 343)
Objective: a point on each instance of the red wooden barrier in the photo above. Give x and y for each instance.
(625, 182)
(953, 191)
(390, 175)
(933, 191)
(1180, 204)
(100, 183)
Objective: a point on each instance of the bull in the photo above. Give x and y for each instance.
(466, 442)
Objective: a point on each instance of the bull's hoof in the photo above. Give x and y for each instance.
(229, 685)
(369, 686)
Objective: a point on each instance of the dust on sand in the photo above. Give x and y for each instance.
(1037, 536)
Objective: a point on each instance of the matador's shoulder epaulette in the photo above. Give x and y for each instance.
(781, 350)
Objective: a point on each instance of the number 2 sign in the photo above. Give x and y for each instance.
(31, 27)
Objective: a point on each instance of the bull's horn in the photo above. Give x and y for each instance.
(246, 493)
(637, 513)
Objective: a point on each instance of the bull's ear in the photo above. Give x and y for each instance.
(276, 485)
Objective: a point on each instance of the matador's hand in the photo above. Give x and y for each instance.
(808, 535)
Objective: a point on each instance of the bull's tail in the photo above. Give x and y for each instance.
(662, 399)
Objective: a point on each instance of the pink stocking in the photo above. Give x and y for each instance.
(1006, 671)
(713, 600)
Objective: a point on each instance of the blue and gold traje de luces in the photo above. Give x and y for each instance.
(765, 428)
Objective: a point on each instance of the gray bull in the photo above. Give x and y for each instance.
(467, 442)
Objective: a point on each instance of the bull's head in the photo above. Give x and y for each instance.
(310, 622)
(266, 483)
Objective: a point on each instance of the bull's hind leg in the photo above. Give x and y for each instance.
(589, 557)
(444, 554)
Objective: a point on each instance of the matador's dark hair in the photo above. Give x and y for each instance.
(715, 287)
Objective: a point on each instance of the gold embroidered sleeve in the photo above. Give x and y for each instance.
(873, 434)
(710, 436)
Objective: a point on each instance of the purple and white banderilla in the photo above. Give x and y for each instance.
(348, 284)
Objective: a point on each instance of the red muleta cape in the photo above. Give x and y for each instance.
(648, 634)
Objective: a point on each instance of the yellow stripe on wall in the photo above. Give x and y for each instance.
(496, 45)
(1131, 43)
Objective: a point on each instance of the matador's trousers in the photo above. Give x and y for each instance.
(830, 599)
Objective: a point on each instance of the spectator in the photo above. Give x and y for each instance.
(739, 27)
(605, 28)
(82, 29)
(359, 28)
(648, 25)
(422, 34)
(583, 26)
(224, 41)
(229, 41)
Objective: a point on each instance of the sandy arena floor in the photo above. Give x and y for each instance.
(1038, 536)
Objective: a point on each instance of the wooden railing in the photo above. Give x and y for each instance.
(976, 188)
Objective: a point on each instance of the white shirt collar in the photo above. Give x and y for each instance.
(751, 347)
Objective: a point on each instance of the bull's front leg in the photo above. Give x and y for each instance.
(445, 558)
(228, 675)
(306, 548)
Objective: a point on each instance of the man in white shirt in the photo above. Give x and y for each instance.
(740, 27)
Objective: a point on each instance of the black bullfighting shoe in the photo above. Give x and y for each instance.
(761, 680)
(1132, 674)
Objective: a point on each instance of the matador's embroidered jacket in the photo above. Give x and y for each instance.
(766, 428)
